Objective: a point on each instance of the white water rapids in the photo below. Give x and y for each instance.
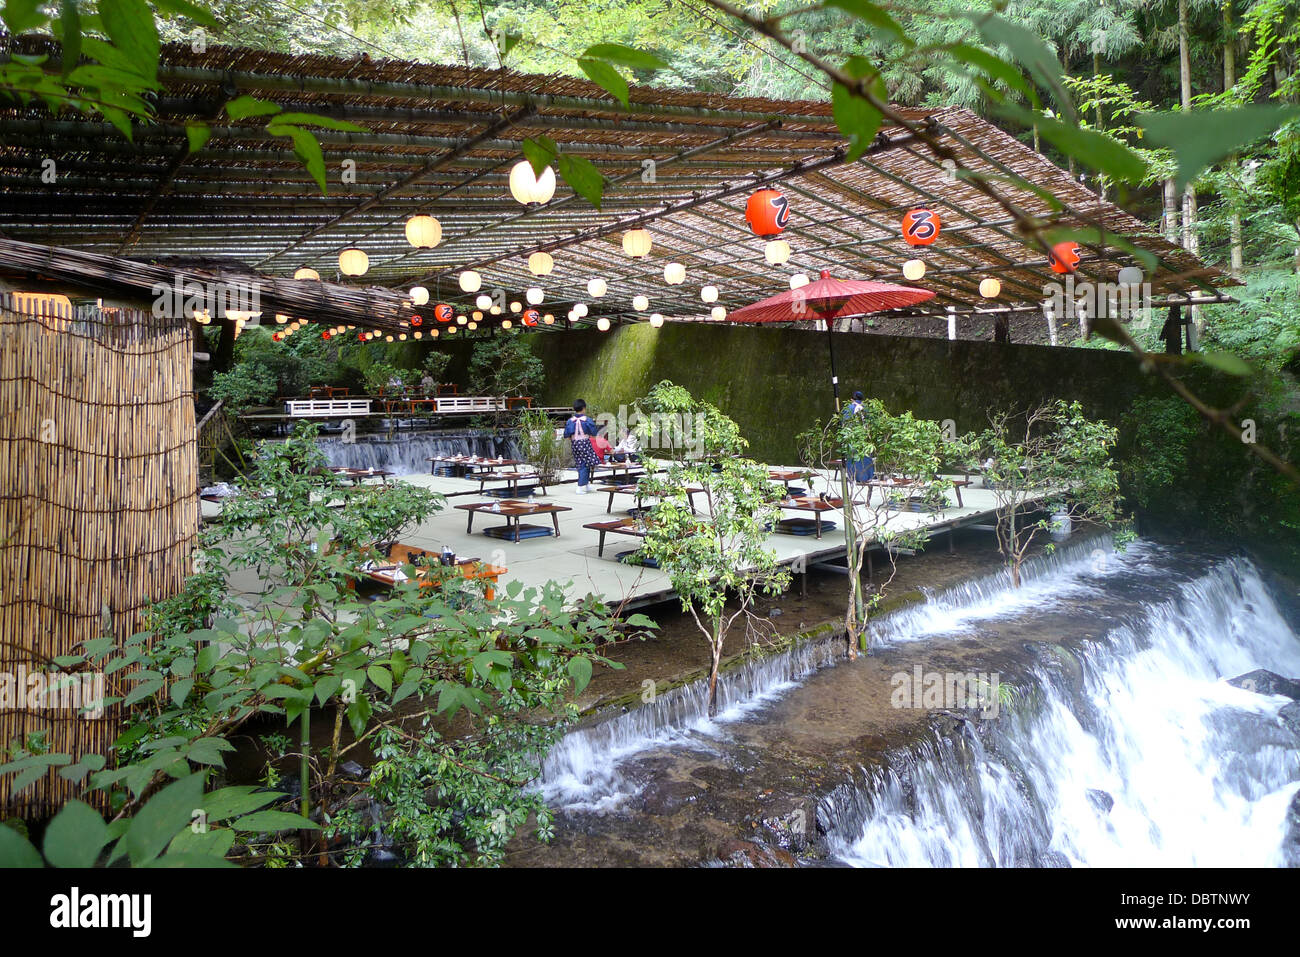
(1200, 773)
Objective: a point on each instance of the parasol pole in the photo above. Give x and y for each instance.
(850, 538)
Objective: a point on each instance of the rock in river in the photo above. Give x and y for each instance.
(1266, 682)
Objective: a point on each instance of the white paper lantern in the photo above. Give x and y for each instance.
(636, 243)
(306, 273)
(548, 319)
(989, 288)
(580, 310)
(470, 281)
(461, 320)
(1130, 276)
(529, 188)
(798, 280)
(709, 294)
(602, 324)
(419, 295)
(534, 295)
(506, 323)
(484, 301)
(516, 306)
(353, 262)
(674, 274)
(640, 303)
(494, 311)
(540, 264)
(777, 252)
(718, 313)
(656, 320)
(423, 232)
(596, 288)
(913, 269)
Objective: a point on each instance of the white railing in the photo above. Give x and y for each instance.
(470, 403)
(327, 407)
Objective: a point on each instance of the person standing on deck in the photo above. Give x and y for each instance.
(580, 429)
(863, 469)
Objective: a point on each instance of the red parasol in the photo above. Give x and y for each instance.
(831, 299)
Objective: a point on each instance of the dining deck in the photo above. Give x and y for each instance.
(574, 555)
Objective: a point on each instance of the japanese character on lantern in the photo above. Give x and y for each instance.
(1066, 256)
(767, 213)
(920, 227)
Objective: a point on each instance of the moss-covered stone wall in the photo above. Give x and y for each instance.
(776, 382)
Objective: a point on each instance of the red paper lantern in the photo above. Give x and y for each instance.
(1066, 256)
(920, 227)
(531, 317)
(767, 213)
(361, 337)
(443, 312)
(275, 337)
(417, 320)
(325, 334)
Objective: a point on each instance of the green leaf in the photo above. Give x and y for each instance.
(583, 176)
(75, 836)
(274, 821)
(381, 677)
(209, 750)
(996, 69)
(540, 153)
(580, 670)
(857, 119)
(246, 106)
(1202, 137)
(324, 122)
(625, 56)
(191, 11)
(162, 818)
(198, 135)
(22, 15)
(606, 77)
(1090, 147)
(875, 16)
(1031, 51)
(231, 802)
(307, 148)
(130, 25)
(181, 690)
(16, 850)
(70, 34)
(1225, 362)
(359, 714)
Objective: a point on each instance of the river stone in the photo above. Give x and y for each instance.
(1100, 800)
(1267, 682)
(754, 854)
(353, 770)
(1291, 842)
(666, 796)
(1290, 715)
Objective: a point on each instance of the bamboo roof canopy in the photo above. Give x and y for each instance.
(441, 140)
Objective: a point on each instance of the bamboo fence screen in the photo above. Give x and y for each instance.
(98, 504)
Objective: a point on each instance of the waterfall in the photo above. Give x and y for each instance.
(408, 453)
(582, 770)
(1145, 757)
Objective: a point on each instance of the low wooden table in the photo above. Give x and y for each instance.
(814, 504)
(620, 526)
(433, 576)
(513, 510)
(360, 475)
(635, 490)
(471, 462)
(627, 468)
(510, 478)
(785, 477)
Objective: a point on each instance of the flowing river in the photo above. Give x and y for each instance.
(1115, 739)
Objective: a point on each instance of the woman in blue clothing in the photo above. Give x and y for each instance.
(580, 429)
(863, 469)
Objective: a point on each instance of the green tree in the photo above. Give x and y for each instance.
(1051, 459)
